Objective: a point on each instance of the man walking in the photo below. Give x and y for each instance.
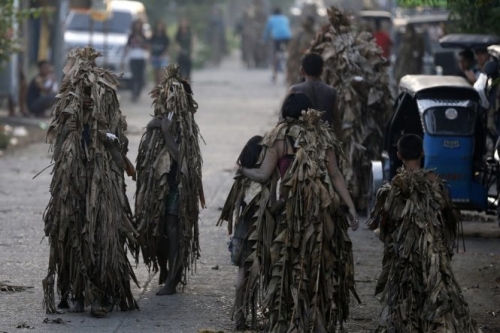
(322, 96)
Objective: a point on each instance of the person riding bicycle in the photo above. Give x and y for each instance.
(278, 28)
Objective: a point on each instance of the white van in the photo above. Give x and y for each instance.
(108, 37)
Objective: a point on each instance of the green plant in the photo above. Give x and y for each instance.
(9, 17)
(469, 16)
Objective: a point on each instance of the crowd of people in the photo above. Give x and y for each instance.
(289, 211)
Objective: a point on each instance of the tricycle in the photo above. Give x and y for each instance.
(444, 111)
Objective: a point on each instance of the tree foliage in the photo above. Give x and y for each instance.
(471, 16)
(9, 16)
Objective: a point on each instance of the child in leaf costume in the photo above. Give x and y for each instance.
(88, 220)
(169, 186)
(304, 254)
(247, 212)
(418, 225)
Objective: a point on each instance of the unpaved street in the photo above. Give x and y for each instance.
(235, 104)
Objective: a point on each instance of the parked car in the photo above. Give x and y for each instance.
(109, 37)
(444, 111)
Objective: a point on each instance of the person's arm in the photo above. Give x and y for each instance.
(470, 76)
(172, 146)
(340, 187)
(337, 121)
(266, 169)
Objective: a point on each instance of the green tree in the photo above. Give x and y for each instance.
(470, 16)
(9, 16)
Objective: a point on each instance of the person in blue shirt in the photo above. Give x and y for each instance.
(278, 29)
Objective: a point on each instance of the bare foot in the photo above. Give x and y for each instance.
(166, 290)
(240, 324)
(97, 310)
(63, 304)
(78, 306)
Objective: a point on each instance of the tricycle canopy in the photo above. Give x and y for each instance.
(468, 41)
(452, 86)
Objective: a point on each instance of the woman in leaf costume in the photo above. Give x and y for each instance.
(418, 225)
(88, 219)
(169, 185)
(304, 257)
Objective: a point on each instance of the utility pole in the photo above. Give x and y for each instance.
(58, 41)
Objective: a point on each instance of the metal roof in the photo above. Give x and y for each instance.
(471, 41)
(414, 84)
(421, 19)
(382, 14)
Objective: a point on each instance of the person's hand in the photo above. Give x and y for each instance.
(166, 124)
(353, 217)
(470, 75)
(239, 171)
(71, 124)
(154, 123)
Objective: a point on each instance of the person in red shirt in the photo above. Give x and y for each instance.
(383, 40)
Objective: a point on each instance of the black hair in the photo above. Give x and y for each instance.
(132, 27)
(277, 11)
(312, 64)
(481, 50)
(294, 104)
(164, 30)
(410, 147)
(467, 54)
(41, 63)
(250, 154)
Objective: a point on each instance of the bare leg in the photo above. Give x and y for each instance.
(98, 310)
(78, 305)
(79, 300)
(239, 301)
(174, 257)
(162, 252)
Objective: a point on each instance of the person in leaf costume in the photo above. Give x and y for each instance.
(356, 68)
(303, 254)
(88, 220)
(169, 184)
(418, 225)
(247, 212)
(299, 45)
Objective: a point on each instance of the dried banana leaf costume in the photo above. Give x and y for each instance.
(306, 263)
(156, 166)
(299, 45)
(88, 219)
(418, 225)
(355, 67)
(246, 211)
